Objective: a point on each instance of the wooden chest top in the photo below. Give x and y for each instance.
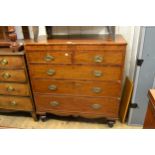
(103, 40)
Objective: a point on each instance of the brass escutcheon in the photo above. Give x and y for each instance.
(13, 103)
(54, 103)
(97, 73)
(49, 58)
(10, 89)
(4, 62)
(52, 87)
(96, 106)
(98, 59)
(6, 75)
(51, 72)
(97, 90)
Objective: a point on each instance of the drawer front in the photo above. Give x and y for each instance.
(12, 75)
(82, 88)
(11, 62)
(76, 72)
(107, 107)
(46, 47)
(94, 88)
(53, 86)
(99, 57)
(14, 89)
(16, 103)
(51, 57)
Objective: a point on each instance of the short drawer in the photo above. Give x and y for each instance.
(106, 107)
(15, 103)
(76, 72)
(81, 88)
(9, 75)
(50, 57)
(11, 62)
(99, 57)
(14, 89)
(97, 89)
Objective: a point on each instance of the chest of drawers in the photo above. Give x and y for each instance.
(15, 92)
(79, 77)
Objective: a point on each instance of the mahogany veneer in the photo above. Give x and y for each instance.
(15, 91)
(79, 77)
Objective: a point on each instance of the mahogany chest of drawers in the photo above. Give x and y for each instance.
(15, 92)
(79, 77)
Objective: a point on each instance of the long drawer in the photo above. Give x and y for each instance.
(82, 88)
(14, 89)
(16, 103)
(107, 107)
(50, 57)
(75, 72)
(11, 62)
(9, 75)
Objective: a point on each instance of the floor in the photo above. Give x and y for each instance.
(26, 122)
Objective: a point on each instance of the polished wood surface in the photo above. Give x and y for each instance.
(50, 57)
(85, 75)
(15, 103)
(109, 57)
(108, 73)
(149, 122)
(14, 89)
(15, 92)
(82, 88)
(11, 61)
(104, 40)
(14, 75)
(109, 106)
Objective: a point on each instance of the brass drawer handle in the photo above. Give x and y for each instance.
(97, 73)
(96, 106)
(10, 89)
(51, 72)
(13, 103)
(97, 90)
(54, 103)
(49, 58)
(52, 87)
(6, 75)
(4, 62)
(98, 59)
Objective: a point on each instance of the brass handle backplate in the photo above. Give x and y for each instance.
(13, 103)
(97, 73)
(4, 62)
(10, 89)
(52, 87)
(6, 75)
(49, 58)
(98, 59)
(97, 90)
(51, 72)
(54, 103)
(96, 106)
